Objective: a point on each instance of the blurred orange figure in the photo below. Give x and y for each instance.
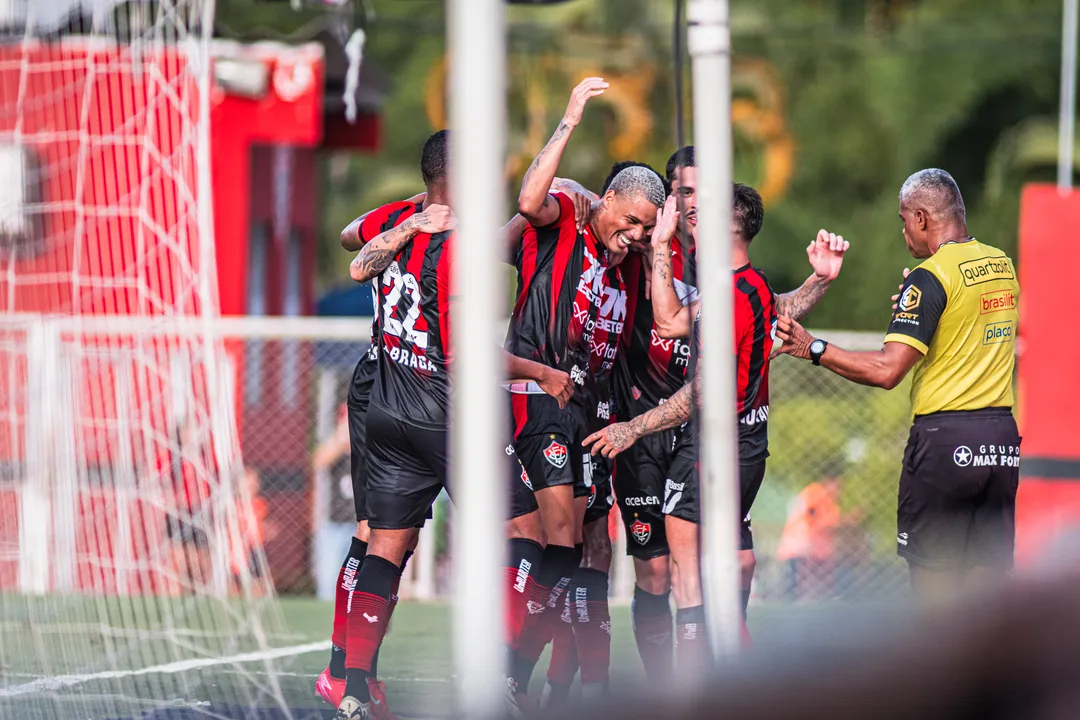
(808, 542)
(251, 532)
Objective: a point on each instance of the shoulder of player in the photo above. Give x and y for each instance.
(750, 280)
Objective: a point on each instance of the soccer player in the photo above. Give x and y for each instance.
(583, 639)
(955, 323)
(569, 312)
(648, 371)
(755, 315)
(330, 685)
(408, 410)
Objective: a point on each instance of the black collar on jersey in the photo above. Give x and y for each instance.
(736, 271)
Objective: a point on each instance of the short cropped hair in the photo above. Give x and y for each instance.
(435, 161)
(639, 181)
(747, 210)
(936, 191)
(619, 167)
(681, 158)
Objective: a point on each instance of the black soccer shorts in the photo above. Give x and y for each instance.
(598, 482)
(363, 379)
(522, 501)
(406, 472)
(681, 491)
(640, 475)
(957, 498)
(550, 460)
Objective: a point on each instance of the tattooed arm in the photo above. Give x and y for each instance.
(351, 239)
(377, 255)
(616, 437)
(826, 254)
(798, 303)
(534, 202)
(671, 317)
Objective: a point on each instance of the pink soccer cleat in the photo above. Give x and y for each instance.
(330, 688)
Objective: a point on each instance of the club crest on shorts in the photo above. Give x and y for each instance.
(641, 531)
(556, 454)
(525, 478)
(592, 495)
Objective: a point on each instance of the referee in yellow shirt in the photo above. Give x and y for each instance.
(955, 323)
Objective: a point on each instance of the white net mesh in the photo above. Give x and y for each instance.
(131, 563)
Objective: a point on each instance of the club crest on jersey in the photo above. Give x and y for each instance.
(641, 531)
(556, 454)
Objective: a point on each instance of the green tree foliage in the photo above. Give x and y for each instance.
(864, 92)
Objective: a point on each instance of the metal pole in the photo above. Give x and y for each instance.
(1067, 116)
(677, 51)
(709, 41)
(477, 115)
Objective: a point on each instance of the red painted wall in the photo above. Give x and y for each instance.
(1049, 382)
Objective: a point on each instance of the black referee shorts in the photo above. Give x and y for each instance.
(957, 499)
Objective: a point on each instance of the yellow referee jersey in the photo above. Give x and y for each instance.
(959, 308)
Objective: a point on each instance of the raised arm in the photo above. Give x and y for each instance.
(351, 238)
(826, 255)
(671, 317)
(534, 202)
(616, 437)
(377, 255)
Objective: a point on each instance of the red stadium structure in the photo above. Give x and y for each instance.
(271, 113)
(1049, 388)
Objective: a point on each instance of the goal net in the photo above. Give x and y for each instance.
(131, 564)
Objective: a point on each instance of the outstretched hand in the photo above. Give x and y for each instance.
(826, 254)
(795, 340)
(612, 440)
(587, 89)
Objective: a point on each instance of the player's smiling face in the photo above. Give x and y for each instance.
(624, 221)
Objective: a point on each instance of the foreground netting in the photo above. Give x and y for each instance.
(129, 550)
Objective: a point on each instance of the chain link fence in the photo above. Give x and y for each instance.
(824, 522)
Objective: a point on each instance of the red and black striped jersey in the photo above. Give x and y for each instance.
(650, 369)
(569, 314)
(413, 382)
(374, 224)
(598, 393)
(755, 319)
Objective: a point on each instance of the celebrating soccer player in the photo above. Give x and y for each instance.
(408, 410)
(569, 314)
(955, 323)
(330, 685)
(754, 307)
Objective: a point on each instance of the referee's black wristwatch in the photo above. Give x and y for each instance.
(817, 349)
